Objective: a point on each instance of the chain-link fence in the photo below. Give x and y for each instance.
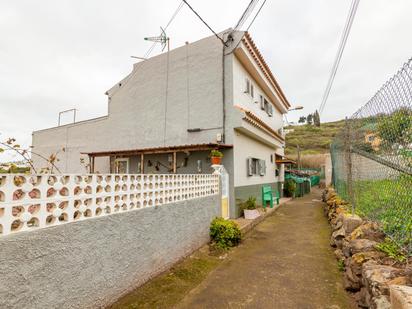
(372, 158)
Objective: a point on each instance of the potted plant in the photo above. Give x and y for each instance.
(216, 157)
(249, 208)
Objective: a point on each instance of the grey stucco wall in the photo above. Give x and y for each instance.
(91, 263)
(244, 192)
(153, 106)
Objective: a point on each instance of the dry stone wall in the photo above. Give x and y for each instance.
(369, 275)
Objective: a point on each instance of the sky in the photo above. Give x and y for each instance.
(58, 55)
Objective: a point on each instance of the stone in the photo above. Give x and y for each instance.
(346, 248)
(368, 230)
(351, 282)
(361, 297)
(351, 222)
(401, 297)
(398, 281)
(376, 277)
(358, 259)
(361, 245)
(339, 254)
(337, 237)
(381, 302)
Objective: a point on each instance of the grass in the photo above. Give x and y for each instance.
(388, 201)
(170, 288)
(312, 139)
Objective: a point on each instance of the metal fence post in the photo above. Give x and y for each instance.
(348, 151)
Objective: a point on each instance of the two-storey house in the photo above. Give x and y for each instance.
(172, 109)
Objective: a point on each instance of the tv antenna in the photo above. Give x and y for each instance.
(162, 39)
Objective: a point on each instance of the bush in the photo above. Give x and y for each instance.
(290, 188)
(225, 233)
(216, 153)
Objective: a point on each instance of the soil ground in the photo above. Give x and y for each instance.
(285, 262)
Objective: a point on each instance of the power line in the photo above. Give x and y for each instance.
(257, 13)
(246, 14)
(149, 51)
(205, 23)
(346, 31)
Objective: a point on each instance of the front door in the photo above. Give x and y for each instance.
(121, 166)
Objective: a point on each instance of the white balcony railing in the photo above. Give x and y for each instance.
(30, 202)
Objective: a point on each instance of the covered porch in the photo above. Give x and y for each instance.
(182, 159)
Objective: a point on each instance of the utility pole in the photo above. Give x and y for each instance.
(298, 157)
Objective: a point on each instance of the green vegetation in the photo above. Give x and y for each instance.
(341, 265)
(391, 249)
(168, 289)
(387, 201)
(249, 204)
(396, 128)
(312, 139)
(216, 153)
(13, 169)
(290, 187)
(225, 233)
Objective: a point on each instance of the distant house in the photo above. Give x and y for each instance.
(172, 109)
(371, 136)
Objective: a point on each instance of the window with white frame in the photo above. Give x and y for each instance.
(256, 167)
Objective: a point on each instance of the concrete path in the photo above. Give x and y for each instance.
(286, 262)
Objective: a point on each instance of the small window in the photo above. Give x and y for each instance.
(247, 90)
(252, 91)
(262, 102)
(256, 167)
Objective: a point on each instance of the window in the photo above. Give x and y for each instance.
(267, 107)
(247, 90)
(252, 91)
(256, 167)
(262, 102)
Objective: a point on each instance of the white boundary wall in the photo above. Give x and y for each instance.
(29, 202)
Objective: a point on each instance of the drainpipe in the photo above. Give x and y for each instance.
(223, 96)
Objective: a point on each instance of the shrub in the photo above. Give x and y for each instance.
(225, 233)
(249, 204)
(391, 249)
(216, 153)
(290, 188)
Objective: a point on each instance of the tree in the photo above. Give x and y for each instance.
(396, 128)
(316, 119)
(309, 119)
(302, 119)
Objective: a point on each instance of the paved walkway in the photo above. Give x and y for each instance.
(286, 262)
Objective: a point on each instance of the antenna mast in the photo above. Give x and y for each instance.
(162, 38)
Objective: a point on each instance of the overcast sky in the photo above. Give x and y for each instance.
(57, 55)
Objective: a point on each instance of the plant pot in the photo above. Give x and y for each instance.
(251, 214)
(216, 160)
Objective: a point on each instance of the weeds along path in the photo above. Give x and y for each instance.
(286, 262)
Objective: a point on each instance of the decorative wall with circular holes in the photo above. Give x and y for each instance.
(38, 201)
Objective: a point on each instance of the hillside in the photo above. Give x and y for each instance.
(311, 139)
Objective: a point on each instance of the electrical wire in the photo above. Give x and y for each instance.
(205, 23)
(246, 14)
(346, 31)
(257, 13)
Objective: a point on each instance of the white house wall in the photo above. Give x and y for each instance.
(245, 100)
(246, 147)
